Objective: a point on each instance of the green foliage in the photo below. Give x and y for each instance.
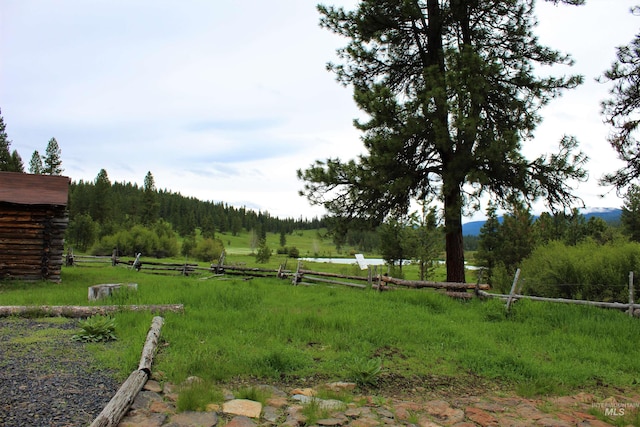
(160, 242)
(453, 117)
(630, 215)
(585, 271)
(293, 252)
(197, 395)
(97, 329)
(81, 232)
(621, 112)
(51, 159)
(365, 372)
(264, 252)
(208, 250)
(264, 329)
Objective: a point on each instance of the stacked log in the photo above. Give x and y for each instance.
(32, 241)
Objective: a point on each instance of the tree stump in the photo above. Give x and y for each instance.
(97, 292)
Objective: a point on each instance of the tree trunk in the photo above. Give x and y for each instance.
(453, 233)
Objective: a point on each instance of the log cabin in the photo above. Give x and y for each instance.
(33, 221)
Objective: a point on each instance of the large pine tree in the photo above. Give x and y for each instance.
(450, 92)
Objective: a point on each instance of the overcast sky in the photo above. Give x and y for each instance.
(225, 100)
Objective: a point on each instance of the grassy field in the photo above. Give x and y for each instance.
(268, 329)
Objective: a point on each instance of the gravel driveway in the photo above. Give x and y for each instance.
(46, 378)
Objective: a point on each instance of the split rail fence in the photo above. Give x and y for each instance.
(373, 280)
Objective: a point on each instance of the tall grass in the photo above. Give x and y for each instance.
(268, 329)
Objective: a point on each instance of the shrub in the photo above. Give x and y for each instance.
(294, 252)
(585, 271)
(264, 253)
(208, 250)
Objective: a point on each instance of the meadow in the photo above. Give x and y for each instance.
(267, 330)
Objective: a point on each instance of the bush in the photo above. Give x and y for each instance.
(294, 252)
(264, 253)
(208, 250)
(139, 239)
(585, 271)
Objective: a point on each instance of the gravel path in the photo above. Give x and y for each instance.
(46, 378)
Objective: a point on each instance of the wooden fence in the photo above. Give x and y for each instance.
(514, 295)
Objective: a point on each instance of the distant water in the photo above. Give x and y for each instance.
(370, 261)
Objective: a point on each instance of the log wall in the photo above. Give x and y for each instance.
(32, 241)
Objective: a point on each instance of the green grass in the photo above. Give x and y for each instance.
(268, 329)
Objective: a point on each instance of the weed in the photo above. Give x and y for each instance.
(365, 372)
(313, 411)
(197, 395)
(97, 329)
(256, 394)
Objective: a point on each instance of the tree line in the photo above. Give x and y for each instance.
(99, 208)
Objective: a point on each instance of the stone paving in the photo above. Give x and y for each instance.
(155, 406)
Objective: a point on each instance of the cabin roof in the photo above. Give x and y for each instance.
(28, 189)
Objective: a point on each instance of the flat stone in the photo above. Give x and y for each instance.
(365, 422)
(245, 407)
(330, 422)
(272, 390)
(270, 414)
(551, 422)
(278, 402)
(341, 386)
(481, 417)
(445, 413)
(424, 422)
(152, 385)
(304, 391)
(529, 411)
(143, 420)
(490, 407)
(144, 399)
(194, 419)
(241, 421)
(162, 408)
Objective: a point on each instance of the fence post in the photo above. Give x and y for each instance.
(513, 290)
(631, 293)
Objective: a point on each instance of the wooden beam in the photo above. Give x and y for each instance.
(76, 311)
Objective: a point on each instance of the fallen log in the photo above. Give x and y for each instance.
(124, 397)
(78, 311)
(435, 285)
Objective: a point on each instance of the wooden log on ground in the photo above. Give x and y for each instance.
(76, 311)
(126, 394)
(151, 344)
(121, 401)
(435, 285)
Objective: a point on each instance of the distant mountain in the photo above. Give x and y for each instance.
(610, 215)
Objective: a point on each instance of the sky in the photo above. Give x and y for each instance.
(225, 101)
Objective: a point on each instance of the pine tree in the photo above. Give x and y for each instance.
(35, 164)
(5, 146)
(450, 95)
(622, 112)
(52, 159)
(150, 205)
(630, 216)
(16, 164)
